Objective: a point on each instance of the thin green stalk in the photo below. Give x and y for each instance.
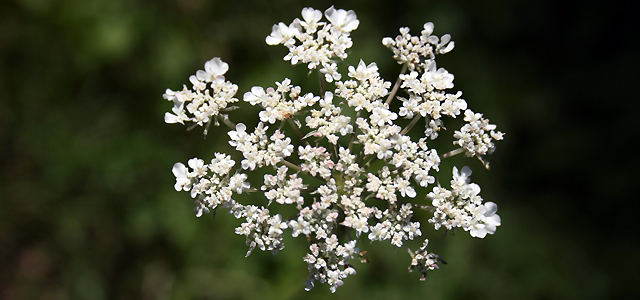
(322, 88)
(452, 153)
(353, 133)
(297, 130)
(396, 86)
(225, 120)
(291, 165)
(413, 122)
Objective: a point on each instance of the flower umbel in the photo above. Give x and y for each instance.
(343, 160)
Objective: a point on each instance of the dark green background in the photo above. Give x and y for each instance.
(87, 206)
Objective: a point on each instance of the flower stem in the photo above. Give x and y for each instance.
(293, 216)
(396, 86)
(413, 122)
(452, 153)
(410, 253)
(225, 120)
(298, 133)
(353, 133)
(291, 165)
(484, 162)
(322, 88)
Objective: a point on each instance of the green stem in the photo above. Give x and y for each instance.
(335, 151)
(322, 88)
(484, 162)
(225, 120)
(410, 252)
(353, 133)
(291, 165)
(413, 122)
(452, 153)
(297, 130)
(396, 86)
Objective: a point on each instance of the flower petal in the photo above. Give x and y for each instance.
(492, 208)
(179, 170)
(216, 67)
(170, 118)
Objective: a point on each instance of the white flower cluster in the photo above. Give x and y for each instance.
(210, 184)
(258, 150)
(329, 262)
(396, 226)
(476, 137)
(365, 89)
(282, 188)
(275, 103)
(462, 207)
(427, 96)
(315, 43)
(210, 96)
(261, 228)
(344, 161)
(416, 52)
(424, 261)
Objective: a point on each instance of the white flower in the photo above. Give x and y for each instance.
(352, 171)
(205, 102)
(183, 182)
(439, 79)
(428, 29)
(311, 17)
(330, 72)
(238, 136)
(198, 166)
(381, 116)
(198, 85)
(405, 188)
(476, 137)
(462, 177)
(213, 70)
(255, 95)
(268, 115)
(344, 20)
(488, 222)
(179, 117)
(333, 279)
(281, 33)
(411, 81)
(238, 183)
(363, 71)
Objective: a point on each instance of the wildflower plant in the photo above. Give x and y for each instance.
(339, 158)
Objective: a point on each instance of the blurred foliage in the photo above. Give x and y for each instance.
(88, 209)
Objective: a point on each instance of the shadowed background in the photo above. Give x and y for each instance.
(88, 209)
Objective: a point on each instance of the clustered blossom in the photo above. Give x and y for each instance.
(274, 101)
(417, 51)
(261, 228)
(256, 147)
(343, 161)
(316, 43)
(396, 226)
(462, 207)
(427, 96)
(477, 136)
(424, 261)
(210, 184)
(329, 262)
(208, 99)
(282, 188)
(366, 91)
